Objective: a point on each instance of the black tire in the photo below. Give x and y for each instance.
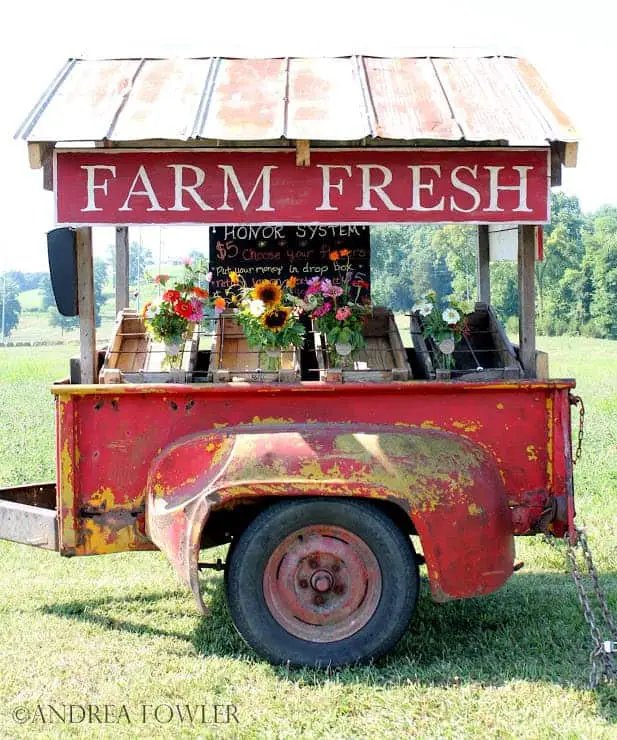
(252, 556)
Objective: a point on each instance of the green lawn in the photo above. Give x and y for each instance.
(118, 630)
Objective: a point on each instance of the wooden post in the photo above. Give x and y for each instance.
(527, 299)
(85, 295)
(122, 268)
(483, 271)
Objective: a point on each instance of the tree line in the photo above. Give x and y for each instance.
(576, 282)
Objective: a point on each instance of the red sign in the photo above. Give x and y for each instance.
(363, 186)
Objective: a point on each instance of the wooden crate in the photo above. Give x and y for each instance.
(134, 357)
(232, 360)
(383, 359)
(485, 354)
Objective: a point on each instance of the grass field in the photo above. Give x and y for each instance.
(118, 630)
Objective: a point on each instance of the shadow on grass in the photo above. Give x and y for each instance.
(531, 630)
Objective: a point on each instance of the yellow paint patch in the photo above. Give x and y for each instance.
(475, 510)
(500, 405)
(467, 426)
(531, 453)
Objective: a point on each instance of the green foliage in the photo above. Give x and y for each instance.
(10, 308)
(576, 282)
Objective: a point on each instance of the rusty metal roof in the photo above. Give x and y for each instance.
(426, 99)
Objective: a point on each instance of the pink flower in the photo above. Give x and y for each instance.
(321, 310)
(314, 284)
(209, 277)
(198, 310)
(331, 290)
(186, 261)
(343, 313)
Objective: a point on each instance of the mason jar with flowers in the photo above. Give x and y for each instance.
(170, 318)
(443, 326)
(337, 312)
(268, 314)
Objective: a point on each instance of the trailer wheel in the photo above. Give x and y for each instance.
(322, 582)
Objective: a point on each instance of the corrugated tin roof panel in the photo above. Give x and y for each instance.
(409, 101)
(326, 100)
(164, 101)
(347, 99)
(246, 101)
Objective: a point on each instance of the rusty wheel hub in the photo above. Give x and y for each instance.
(322, 583)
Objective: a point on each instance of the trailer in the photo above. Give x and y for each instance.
(331, 488)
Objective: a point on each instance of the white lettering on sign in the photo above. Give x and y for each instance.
(368, 188)
(465, 188)
(180, 187)
(327, 185)
(148, 192)
(91, 186)
(231, 177)
(417, 186)
(495, 188)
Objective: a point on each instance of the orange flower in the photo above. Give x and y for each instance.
(292, 282)
(144, 310)
(344, 252)
(233, 276)
(200, 292)
(161, 279)
(219, 302)
(333, 256)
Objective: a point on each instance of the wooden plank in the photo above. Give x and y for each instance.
(85, 293)
(122, 267)
(483, 265)
(555, 165)
(570, 154)
(527, 299)
(36, 154)
(303, 153)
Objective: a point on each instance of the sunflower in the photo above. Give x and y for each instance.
(267, 291)
(275, 318)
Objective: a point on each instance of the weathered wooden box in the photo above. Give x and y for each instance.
(484, 353)
(233, 360)
(134, 357)
(383, 359)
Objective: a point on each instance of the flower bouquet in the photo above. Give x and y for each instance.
(171, 318)
(443, 326)
(268, 314)
(338, 313)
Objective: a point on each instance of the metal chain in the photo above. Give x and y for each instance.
(578, 401)
(603, 656)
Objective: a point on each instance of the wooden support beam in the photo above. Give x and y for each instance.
(483, 265)
(122, 268)
(303, 153)
(570, 154)
(85, 295)
(555, 166)
(36, 154)
(527, 299)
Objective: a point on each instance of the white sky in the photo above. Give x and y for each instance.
(571, 43)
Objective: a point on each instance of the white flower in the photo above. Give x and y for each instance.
(451, 316)
(257, 307)
(424, 308)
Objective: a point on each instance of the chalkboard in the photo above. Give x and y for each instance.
(279, 252)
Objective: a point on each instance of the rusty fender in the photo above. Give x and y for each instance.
(449, 486)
